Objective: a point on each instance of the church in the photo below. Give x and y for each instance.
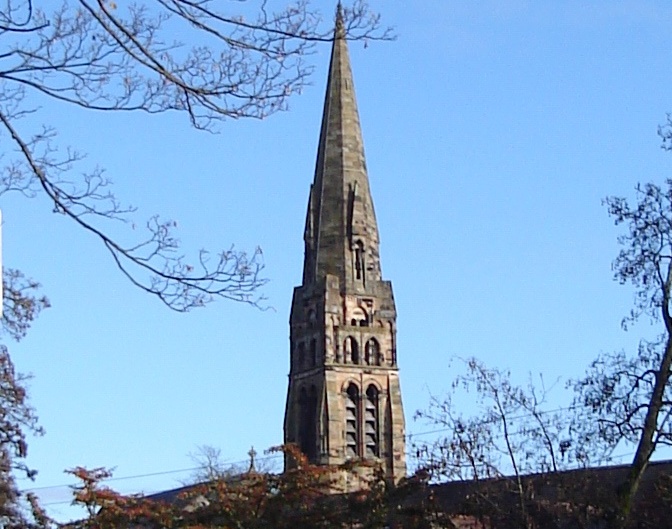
(344, 398)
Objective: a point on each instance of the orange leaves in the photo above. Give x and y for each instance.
(92, 476)
(306, 496)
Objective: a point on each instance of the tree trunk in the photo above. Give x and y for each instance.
(646, 444)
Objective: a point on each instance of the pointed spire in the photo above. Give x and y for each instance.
(339, 30)
(341, 231)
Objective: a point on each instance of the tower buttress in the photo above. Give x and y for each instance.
(344, 398)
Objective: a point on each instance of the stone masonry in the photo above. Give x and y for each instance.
(344, 398)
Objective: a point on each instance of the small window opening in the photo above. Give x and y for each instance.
(359, 318)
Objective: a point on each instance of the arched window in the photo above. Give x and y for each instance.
(307, 423)
(301, 355)
(371, 437)
(372, 353)
(351, 351)
(352, 421)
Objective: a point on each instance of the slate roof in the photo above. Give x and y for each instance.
(586, 494)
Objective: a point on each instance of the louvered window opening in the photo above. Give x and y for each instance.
(352, 422)
(372, 445)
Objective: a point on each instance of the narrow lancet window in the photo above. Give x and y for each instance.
(372, 353)
(352, 421)
(351, 349)
(371, 437)
(359, 261)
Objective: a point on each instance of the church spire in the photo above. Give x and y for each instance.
(339, 31)
(341, 233)
(343, 399)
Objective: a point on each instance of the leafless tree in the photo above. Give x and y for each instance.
(211, 466)
(108, 56)
(513, 434)
(631, 395)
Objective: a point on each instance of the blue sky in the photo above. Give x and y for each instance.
(492, 131)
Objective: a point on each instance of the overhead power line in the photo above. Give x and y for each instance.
(278, 456)
(152, 474)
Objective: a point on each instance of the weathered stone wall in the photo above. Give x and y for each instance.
(344, 399)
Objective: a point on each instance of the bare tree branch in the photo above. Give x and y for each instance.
(631, 395)
(100, 55)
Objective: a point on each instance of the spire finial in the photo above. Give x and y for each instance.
(252, 453)
(339, 33)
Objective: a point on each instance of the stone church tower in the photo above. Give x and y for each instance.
(344, 400)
